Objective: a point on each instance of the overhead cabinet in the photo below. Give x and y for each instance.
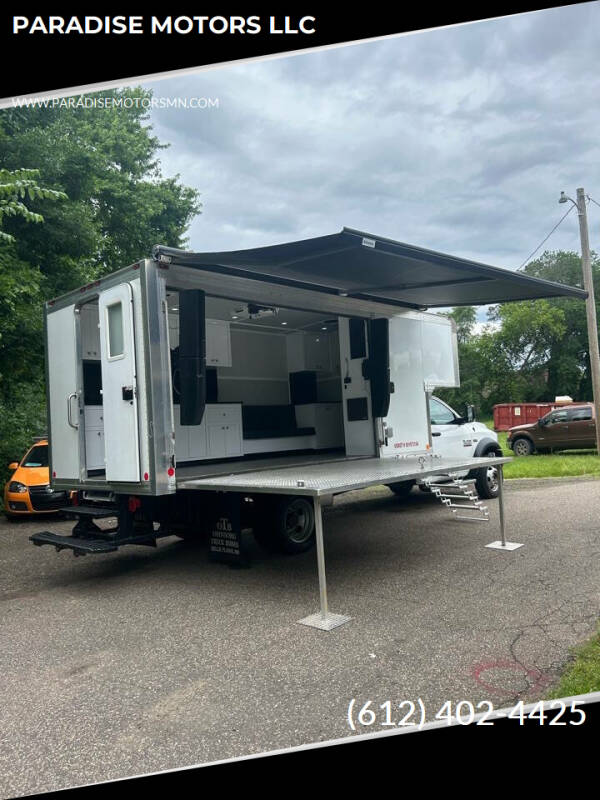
(218, 340)
(308, 351)
(90, 333)
(218, 343)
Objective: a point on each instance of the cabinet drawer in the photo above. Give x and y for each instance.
(223, 413)
(93, 416)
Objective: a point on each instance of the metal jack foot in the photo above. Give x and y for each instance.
(504, 545)
(325, 622)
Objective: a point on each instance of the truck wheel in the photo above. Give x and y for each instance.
(401, 489)
(522, 447)
(287, 525)
(487, 482)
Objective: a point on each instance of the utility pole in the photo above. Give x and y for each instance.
(590, 306)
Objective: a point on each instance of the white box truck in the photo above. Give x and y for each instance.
(246, 388)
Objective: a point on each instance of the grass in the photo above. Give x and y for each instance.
(583, 675)
(549, 465)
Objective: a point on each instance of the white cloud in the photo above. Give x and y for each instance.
(459, 140)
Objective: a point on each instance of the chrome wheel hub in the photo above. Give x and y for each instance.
(298, 523)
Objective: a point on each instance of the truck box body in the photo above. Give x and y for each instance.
(186, 375)
(115, 417)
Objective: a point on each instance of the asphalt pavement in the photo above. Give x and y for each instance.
(148, 659)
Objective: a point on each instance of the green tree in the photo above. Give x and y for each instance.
(568, 361)
(535, 350)
(15, 186)
(115, 204)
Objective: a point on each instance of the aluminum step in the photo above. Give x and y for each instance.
(95, 512)
(78, 545)
(461, 490)
(82, 546)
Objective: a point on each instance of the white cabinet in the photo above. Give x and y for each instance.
(224, 430)
(218, 343)
(218, 436)
(308, 351)
(316, 348)
(90, 333)
(94, 437)
(326, 419)
(173, 331)
(218, 340)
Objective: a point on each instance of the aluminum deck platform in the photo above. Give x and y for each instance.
(327, 479)
(340, 475)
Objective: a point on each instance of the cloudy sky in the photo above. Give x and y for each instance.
(459, 140)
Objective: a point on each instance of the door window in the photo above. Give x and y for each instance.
(557, 416)
(439, 413)
(579, 414)
(114, 315)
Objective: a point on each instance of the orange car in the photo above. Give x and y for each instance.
(28, 490)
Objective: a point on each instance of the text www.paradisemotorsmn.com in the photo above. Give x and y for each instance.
(117, 102)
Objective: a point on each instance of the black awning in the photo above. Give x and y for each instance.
(360, 265)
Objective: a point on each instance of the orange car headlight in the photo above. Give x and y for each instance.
(16, 487)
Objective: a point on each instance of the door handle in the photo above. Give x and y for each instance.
(437, 433)
(127, 392)
(69, 418)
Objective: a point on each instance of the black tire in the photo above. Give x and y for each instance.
(487, 481)
(401, 489)
(424, 488)
(286, 525)
(522, 446)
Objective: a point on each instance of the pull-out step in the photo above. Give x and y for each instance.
(95, 512)
(82, 546)
(462, 490)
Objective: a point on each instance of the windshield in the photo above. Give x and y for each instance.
(36, 457)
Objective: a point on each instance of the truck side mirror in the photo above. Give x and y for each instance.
(470, 414)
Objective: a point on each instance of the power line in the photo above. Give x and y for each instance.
(530, 256)
(591, 199)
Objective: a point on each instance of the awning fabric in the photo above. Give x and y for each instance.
(370, 267)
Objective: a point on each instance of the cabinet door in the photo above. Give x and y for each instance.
(224, 441)
(216, 441)
(329, 425)
(317, 352)
(182, 438)
(173, 331)
(233, 439)
(218, 343)
(94, 448)
(90, 334)
(197, 439)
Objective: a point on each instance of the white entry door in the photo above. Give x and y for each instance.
(119, 384)
(64, 399)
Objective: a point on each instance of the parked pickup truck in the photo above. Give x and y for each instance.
(569, 428)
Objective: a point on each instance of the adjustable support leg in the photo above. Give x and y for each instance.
(324, 620)
(502, 544)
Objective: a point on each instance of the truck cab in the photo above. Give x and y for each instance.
(456, 436)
